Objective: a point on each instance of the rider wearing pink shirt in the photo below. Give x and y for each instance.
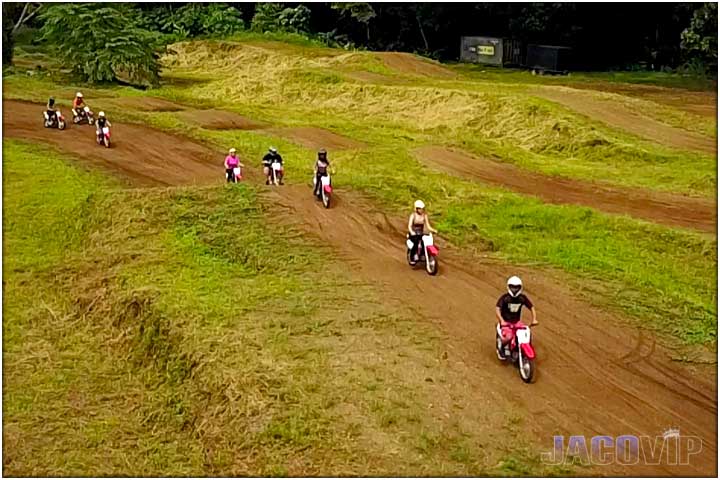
(231, 162)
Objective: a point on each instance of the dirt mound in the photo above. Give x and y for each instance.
(411, 64)
(140, 154)
(617, 115)
(595, 375)
(220, 120)
(677, 210)
(313, 137)
(371, 77)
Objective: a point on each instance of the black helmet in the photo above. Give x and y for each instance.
(322, 153)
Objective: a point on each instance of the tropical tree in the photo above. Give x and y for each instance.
(102, 41)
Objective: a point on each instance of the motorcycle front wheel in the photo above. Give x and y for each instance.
(61, 125)
(431, 265)
(106, 142)
(325, 200)
(526, 368)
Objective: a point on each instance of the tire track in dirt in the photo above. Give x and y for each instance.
(621, 117)
(668, 209)
(595, 376)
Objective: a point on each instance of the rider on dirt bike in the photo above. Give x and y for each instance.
(231, 162)
(268, 159)
(78, 104)
(101, 123)
(508, 308)
(321, 167)
(417, 224)
(50, 109)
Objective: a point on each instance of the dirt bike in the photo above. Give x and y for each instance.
(103, 137)
(56, 121)
(235, 176)
(519, 351)
(84, 115)
(427, 253)
(325, 190)
(276, 173)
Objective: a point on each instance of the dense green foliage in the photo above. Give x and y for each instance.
(193, 19)
(101, 42)
(700, 40)
(273, 17)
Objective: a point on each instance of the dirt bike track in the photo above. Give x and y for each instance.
(609, 380)
(669, 209)
(617, 115)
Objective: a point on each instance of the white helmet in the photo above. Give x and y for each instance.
(514, 286)
(79, 94)
(419, 204)
(232, 150)
(273, 149)
(101, 114)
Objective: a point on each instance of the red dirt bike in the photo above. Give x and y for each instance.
(54, 121)
(427, 253)
(519, 351)
(276, 173)
(84, 115)
(233, 175)
(103, 136)
(325, 190)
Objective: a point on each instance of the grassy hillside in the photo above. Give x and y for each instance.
(155, 335)
(617, 260)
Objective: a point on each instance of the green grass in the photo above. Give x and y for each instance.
(150, 333)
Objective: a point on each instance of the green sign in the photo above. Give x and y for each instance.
(486, 50)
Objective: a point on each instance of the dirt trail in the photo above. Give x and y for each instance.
(608, 380)
(141, 155)
(676, 210)
(617, 115)
(410, 64)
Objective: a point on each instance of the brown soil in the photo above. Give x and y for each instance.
(617, 115)
(371, 77)
(220, 120)
(676, 210)
(313, 137)
(140, 154)
(594, 375)
(411, 64)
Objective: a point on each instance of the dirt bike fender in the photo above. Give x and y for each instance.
(328, 189)
(527, 350)
(433, 250)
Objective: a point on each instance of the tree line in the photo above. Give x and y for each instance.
(103, 40)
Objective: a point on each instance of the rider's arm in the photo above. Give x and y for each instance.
(107, 123)
(498, 315)
(531, 306)
(410, 225)
(427, 224)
